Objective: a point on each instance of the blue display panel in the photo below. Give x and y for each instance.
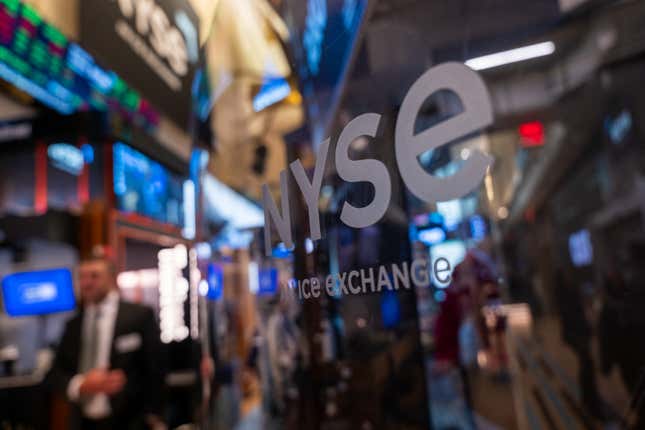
(325, 34)
(145, 187)
(272, 91)
(478, 227)
(432, 236)
(215, 282)
(390, 309)
(268, 282)
(581, 248)
(38, 59)
(37, 293)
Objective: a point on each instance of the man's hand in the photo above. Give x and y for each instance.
(116, 379)
(101, 381)
(155, 423)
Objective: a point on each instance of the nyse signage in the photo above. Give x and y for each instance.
(408, 145)
(152, 44)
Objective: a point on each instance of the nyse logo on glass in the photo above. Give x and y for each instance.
(476, 114)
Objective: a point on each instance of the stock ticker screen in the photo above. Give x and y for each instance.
(145, 187)
(38, 59)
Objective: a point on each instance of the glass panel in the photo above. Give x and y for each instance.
(322, 214)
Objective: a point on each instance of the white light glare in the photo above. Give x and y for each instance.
(203, 287)
(511, 56)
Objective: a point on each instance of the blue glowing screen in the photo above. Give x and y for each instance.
(215, 282)
(268, 282)
(39, 292)
(145, 187)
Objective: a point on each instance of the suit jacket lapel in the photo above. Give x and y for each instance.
(119, 329)
(75, 348)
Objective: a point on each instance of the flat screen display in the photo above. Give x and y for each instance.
(145, 187)
(40, 60)
(268, 282)
(580, 248)
(431, 236)
(37, 293)
(215, 281)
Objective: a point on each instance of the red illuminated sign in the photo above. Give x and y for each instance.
(531, 134)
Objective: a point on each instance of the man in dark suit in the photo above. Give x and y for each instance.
(109, 361)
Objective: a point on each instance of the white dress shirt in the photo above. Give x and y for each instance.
(98, 405)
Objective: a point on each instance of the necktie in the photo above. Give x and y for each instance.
(91, 343)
